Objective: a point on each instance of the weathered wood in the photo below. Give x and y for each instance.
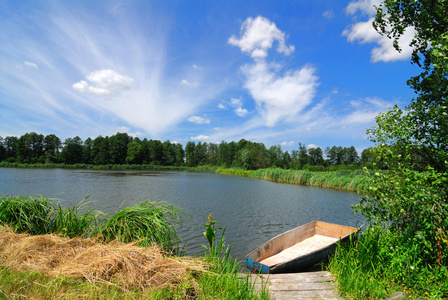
(298, 248)
(309, 285)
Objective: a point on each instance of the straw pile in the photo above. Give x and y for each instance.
(126, 265)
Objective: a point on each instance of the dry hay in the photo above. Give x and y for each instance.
(127, 265)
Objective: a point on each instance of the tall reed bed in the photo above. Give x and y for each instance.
(319, 179)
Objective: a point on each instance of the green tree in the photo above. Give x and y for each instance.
(87, 151)
(2, 149)
(118, 144)
(415, 203)
(316, 156)
(52, 146)
(72, 151)
(100, 150)
(30, 148)
(11, 145)
(135, 152)
(425, 119)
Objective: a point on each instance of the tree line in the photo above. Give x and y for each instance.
(124, 149)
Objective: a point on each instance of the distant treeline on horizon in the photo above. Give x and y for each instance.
(121, 149)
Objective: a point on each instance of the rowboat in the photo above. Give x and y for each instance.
(299, 248)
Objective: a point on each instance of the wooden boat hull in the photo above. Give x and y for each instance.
(299, 248)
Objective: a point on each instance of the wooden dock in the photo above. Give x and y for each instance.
(308, 285)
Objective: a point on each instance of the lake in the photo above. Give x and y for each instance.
(252, 210)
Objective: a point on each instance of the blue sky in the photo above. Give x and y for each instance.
(276, 72)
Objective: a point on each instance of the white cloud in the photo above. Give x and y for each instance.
(280, 97)
(285, 143)
(237, 104)
(103, 82)
(312, 146)
(83, 87)
(190, 84)
(198, 120)
(364, 6)
(30, 64)
(363, 32)
(110, 80)
(328, 14)
(257, 37)
(222, 106)
(201, 138)
(241, 112)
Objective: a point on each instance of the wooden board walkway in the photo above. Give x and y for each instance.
(308, 285)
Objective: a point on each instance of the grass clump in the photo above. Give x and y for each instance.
(26, 214)
(148, 222)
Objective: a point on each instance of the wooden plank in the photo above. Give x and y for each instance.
(287, 295)
(308, 285)
(294, 286)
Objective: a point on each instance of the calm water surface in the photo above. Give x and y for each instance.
(252, 210)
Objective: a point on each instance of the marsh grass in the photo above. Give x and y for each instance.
(26, 214)
(319, 179)
(81, 220)
(148, 222)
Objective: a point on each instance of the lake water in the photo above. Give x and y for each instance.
(252, 210)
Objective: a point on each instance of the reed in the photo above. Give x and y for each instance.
(326, 180)
(81, 220)
(26, 214)
(147, 222)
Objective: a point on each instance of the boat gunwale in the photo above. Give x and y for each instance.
(254, 256)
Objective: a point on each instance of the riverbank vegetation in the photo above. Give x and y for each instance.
(333, 180)
(128, 255)
(405, 245)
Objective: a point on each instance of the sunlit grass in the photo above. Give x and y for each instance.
(318, 179)
(148, 222)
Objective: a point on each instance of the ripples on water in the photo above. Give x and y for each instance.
(252, 210)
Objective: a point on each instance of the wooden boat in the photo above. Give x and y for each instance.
(298, 248)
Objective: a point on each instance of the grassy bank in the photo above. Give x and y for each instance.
(380, 264)
(95, 256)
(318, 179)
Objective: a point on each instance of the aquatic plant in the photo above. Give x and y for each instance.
(148, 222)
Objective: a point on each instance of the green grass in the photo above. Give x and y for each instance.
(319, 179)
(147, 222)
(378, 264)
(26, 214)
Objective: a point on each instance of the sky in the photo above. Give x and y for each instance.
(274, 72)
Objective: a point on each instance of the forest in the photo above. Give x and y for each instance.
(120, 149)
